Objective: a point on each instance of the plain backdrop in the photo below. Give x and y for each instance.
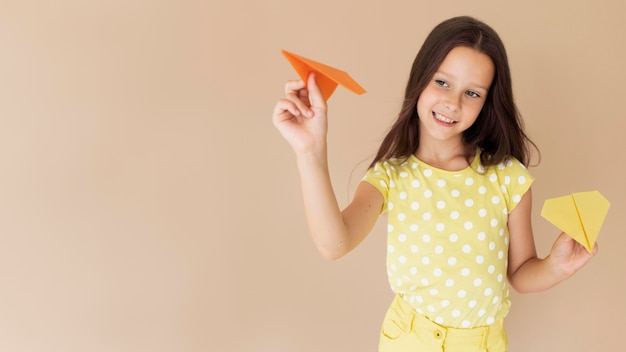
(148, 204)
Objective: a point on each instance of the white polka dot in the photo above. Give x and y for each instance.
(493, 222)
(455, 193)
(441, 204)
(456, 313)
(419, 299)
(469, 181)
(480, 259)
(390, 249)
(453, 237)
(426, 238)
(517, 198)
(402, 259)
(414, 165)
(490, 320)
(468, 225)
(431, 308)
(390, 205)
(414, 227)
(469, 203)
(399, 283)
(441, 183)
(403, 195)
(491, 269)
(482, 189)
(466, 248)
(401, 216)
(478, 282)
(404, 174)
(389, 228)
(499, 277)
(426, 260)
(424, 281)
(437, 272)
(433, 291)
(472, 303)
(428, 172)
(465, 324)
(452, 260)
(439, 249)
(445, 303)
(414, 248)
(481, 313)
(461, 293)
(495, 299)
(428, 193)
(507, 180)
(426, 216)
(495, 200)
(481, 236)
(402, 238)
(454, 215)
(503, 188)
(415, 205)
(521, 180)
(488, 291)
(415, 183)
(440, 227)
(449, 282)
(492, 245)
(465, 272)
(394, 267)
(500, 254)
(482, 212)
(439, 320)
(383, 184)
(413, 270)
(493, 178)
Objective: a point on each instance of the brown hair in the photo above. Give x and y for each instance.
(497, 130)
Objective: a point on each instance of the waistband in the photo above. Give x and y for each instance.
(478, 336)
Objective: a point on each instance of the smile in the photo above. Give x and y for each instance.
(442, 118)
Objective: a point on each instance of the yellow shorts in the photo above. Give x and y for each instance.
(406, 330)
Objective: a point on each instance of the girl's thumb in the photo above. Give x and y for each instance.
(315, 94)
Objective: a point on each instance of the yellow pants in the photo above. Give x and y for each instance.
(406, 330)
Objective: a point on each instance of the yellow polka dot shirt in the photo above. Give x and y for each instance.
(448, 238)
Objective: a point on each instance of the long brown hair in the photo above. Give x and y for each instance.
(497, 130)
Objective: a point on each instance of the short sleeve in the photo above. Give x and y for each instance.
(379, 177)
(515, 180)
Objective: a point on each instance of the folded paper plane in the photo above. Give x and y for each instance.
(327, 77)
(580, 215)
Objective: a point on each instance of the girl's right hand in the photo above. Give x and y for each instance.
(301, 116)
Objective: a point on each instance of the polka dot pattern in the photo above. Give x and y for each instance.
(447, 237)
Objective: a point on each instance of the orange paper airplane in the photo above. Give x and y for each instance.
(327, 77)
(580, 215)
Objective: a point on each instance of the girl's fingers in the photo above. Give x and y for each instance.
(284, 110)
(297, 93)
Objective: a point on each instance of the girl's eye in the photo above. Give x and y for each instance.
(472, 94)
(441, 82)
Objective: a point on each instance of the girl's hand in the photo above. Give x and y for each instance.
(569, 256)
(301, 116)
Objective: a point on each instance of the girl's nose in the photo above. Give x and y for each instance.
(452, 102)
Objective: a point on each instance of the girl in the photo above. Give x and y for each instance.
(451, 176)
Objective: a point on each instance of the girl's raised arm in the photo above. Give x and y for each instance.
(301, 118)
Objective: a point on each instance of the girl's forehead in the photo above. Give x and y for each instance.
(469, 66)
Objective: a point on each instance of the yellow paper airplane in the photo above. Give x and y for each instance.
(327, 77)
(580, 215)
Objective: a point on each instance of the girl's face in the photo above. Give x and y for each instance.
(452, 100)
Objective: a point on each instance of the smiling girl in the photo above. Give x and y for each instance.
(451, 175)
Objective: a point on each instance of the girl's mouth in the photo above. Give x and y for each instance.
(443, 119)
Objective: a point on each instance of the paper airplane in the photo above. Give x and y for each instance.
(327, 77)
(580, 215)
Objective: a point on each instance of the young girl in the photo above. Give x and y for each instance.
(451, 176)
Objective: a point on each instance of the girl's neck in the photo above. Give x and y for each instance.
(446, 157)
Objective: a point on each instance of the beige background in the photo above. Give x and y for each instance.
(148, 204)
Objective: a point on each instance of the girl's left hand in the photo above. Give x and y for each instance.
(569, 256)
